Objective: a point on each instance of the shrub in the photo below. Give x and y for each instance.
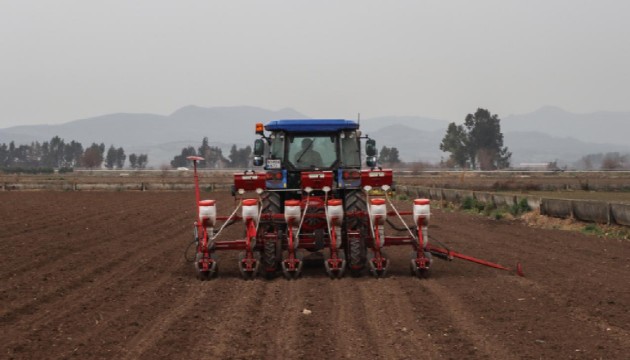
(497, 215)
(472, 204)
(488, 209)
(592, 229)
(468, 203)
(522, 206)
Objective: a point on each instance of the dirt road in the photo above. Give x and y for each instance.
(102, 275)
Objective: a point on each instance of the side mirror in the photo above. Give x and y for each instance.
(258, 160)
(259, 147)
(370, 147)
(370, 161)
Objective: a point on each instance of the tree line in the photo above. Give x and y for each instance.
(242, 157)
(607, 161)
(213, 156)
(58, 154)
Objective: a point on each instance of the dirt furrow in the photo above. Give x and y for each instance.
(596, 323)
(86, 290)
(46, 217)
(62, 238)
(148, 336)
(231, 330)
(59, 275)
(393, 320)
(279, 319)
(98, 328)
(487, 343)
(126, 291)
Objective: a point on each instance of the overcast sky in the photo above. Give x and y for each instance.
(64, 60)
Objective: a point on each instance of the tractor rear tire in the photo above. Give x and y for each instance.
(271, 204)
(354, 201)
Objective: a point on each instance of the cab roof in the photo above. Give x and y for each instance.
(311, 125)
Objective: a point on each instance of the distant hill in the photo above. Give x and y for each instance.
(417, 122)
(546, 134)
(412, 144)
(530, 146)
(161, 137)
(598, 127)
(533, 146)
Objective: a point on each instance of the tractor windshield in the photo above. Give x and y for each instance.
(312, 151)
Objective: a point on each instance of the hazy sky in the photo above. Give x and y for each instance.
(64, 60)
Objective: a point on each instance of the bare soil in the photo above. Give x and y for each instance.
(102, 275)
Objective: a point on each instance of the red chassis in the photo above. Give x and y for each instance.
(302, 234)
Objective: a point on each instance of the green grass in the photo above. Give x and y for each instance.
(592, 229)
(473, 206)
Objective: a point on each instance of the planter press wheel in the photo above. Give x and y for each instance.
(206, 275)
(417, 272)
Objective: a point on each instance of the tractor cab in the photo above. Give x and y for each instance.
(297, 146)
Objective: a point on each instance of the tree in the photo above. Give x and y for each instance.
(388, 155)
(56, 151)
(139, 161)
(240, 157)
(133, 161)
(180, 160)
(213, 155)
(383, 155)
(73, 153)
(120, 158)
(143, 159)
(455, 142)
(93, 156)
(4, 154)
(11, 154)
(478, 141)
(614, 161)
(110, 160)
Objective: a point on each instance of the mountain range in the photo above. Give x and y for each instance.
(547, 134)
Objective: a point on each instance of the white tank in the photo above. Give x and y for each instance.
(378, 211)
(250, 209)
(334, 209)
(207, 212)
(292, 212)
(421, 210)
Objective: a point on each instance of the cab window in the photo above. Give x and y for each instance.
(308, 152)
(350, 152)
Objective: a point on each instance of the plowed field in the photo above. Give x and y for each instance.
(102, 275)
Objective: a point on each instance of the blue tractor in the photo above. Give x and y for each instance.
(313, 196)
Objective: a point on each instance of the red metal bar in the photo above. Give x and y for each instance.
(197, 195)
(453, 254)
(231, 244)
(291, 249)
(398, 240)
